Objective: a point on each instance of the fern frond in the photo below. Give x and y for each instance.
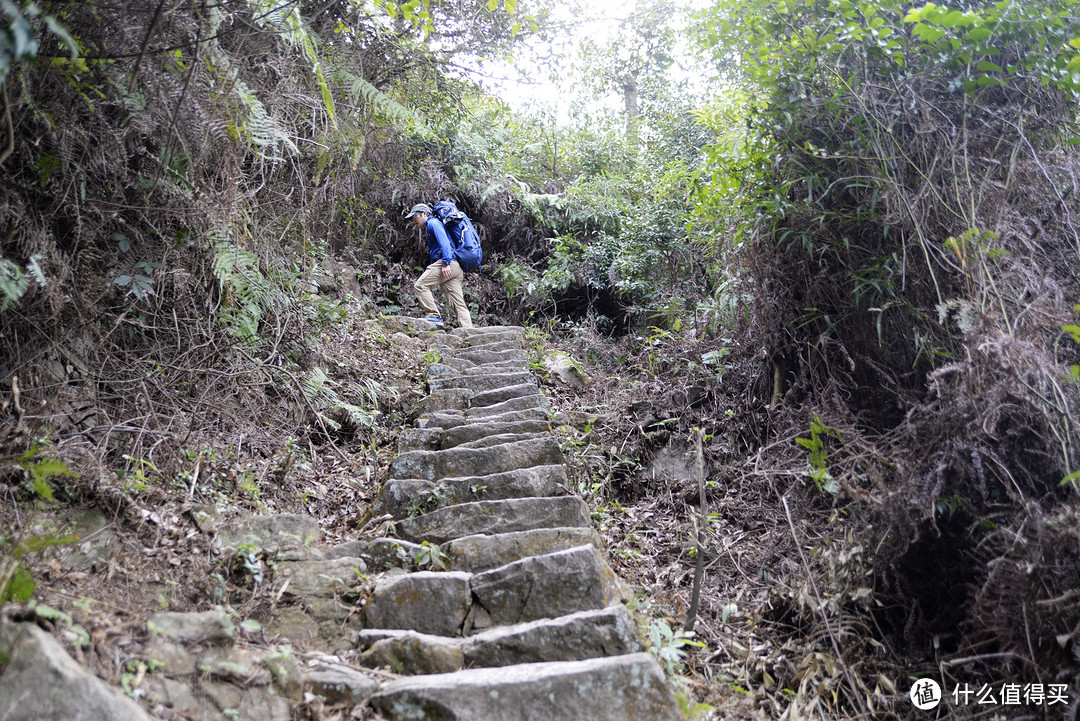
(383, 104)
(246, 290)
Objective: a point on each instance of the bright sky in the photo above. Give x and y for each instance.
(596, 20)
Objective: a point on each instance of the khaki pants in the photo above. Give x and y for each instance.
(432, 278)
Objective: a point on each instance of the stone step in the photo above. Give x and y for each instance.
(449, 345)
(547, 586)
(484, 382)
(517, 397)
(492, 517)
(402, 497)
(437, 439)
(522, 403)
(463, 398)
(462, 462)
(478, 356)
(478, 553)
(488, 331)
(438, 370)
(455, 419)
(501, 438)
(433, 602)
(618, 688)
(575, 637)
(432, 439)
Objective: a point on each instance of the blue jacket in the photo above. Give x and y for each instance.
(438, 242)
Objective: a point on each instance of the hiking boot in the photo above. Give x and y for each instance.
(434, 319)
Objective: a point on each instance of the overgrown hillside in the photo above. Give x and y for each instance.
(841, 240)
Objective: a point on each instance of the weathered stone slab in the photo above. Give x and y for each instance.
(547, 586)
(455, 367)
(514, 404)
(455, 419)
(278, 532)
(379, 554)
(487, 356)
(482, 553)
(621, 688)
(459, 462)
(488, 331)
(586, 634)
(341, 685)
(420, 439)
(453, 437)
(409, 652)
(447, 399)
(204, 627)
(481, 382)
(498, 439)
(323, 579)
(409, 497)
(425, 601)
(490, 517)
(493, 343)
(491, 397)
(40, 682)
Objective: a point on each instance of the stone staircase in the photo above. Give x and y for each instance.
(489, 600)
(527, 621)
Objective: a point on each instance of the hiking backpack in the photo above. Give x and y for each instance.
(463, 235)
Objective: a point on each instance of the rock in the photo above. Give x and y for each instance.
(498, 439)
(674, 462)
(294, 624)
(179, 696)
(96, 541)
(379, 554)
(454, 419)
(40, 682)
(279, 532)
(248, 704)
(485, 382)
(459, 462)
(341, 686)
(409, 652)
(425, 601)
(523, 403)
(483, 399)
(491, 517)
(578, 636)
(174, 658)
(478, 333)
(480, 356)
(323, 579)
(621, 688)
(479, 553)
(471, 432)
(547, 586)
(233, 665)
(205, 627)
(206, 518)
(286, 674)
(567, 370)
(408, 497)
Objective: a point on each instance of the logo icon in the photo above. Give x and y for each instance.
(925, 694)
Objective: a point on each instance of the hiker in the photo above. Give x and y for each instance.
(443, 272)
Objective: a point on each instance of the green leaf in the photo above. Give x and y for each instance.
(43, 489)
(1074, 476)
(979, 34)
(19, 588)
(492, 4)
(49, 467)
(988, 67)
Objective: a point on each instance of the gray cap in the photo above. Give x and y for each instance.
(419, 208)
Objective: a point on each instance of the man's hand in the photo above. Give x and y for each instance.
(446, 271)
